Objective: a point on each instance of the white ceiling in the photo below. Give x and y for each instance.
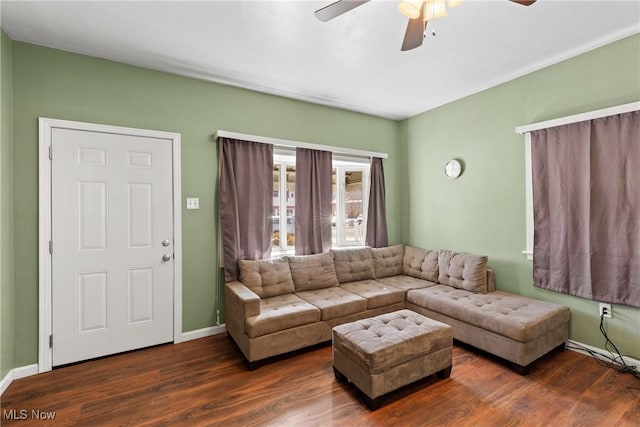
(352, 62)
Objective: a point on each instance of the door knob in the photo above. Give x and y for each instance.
(166, 257)
(165, 242)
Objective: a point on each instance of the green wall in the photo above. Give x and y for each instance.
(55, 84)
(484, 210)
(6, 206)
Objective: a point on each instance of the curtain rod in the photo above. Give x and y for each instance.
(297, 144)
(597, 114)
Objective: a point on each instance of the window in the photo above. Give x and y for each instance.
(350, 194)
(583, 169)
(349, 204)
(525, 130)
(284, 204)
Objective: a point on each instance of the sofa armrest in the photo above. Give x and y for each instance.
(491, 280)
(240, 300)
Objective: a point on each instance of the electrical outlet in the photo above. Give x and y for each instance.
(605, 309)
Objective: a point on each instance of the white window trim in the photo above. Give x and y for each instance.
(297, 144)
(526, 131)
(528, 194)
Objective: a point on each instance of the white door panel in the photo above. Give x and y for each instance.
(111, 209)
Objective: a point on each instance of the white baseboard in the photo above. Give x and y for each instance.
(204, 332)
(16, 374)
(6, 381)
(628, 360)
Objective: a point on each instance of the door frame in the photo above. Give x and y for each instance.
(45, 323)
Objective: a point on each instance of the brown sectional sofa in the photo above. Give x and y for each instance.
(289, 303)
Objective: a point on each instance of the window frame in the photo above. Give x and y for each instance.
(283, 160)
(341, 168)
(340, 164)
(528, 195)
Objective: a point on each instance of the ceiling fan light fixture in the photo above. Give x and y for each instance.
(434, 9)
(410, 8)
(419, 13)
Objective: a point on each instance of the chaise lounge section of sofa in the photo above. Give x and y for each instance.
(286, 304)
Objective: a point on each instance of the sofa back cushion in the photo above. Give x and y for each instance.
(420, 263)
(387, 261)
(353, 264)
(463, 271)
(313, 271)
(267, 278)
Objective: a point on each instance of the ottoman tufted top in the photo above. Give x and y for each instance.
(384, 341)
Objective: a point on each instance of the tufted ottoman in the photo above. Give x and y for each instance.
(387, 352)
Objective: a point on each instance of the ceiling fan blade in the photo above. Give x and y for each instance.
(414, 35)
(336, 9)
(524, 2)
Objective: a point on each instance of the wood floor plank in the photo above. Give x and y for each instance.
(205, 382)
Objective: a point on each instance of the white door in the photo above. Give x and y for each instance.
(112, 239)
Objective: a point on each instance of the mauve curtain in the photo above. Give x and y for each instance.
(586, 198)
(377, 214)
(245, 202)
(313, 201)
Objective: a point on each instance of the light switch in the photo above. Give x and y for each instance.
(193, 203)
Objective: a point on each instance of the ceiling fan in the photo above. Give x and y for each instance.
(419, 13)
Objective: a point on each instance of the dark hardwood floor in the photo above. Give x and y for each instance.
(205, 382)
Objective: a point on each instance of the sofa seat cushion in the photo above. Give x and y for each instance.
(334, 302)
(420, 263)
(406, 283)
(387, 261)
(377, 294)
(279, 313)
(519, 318)
(267, 278)
(313, 271)
(353, 264)
(391, 339)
